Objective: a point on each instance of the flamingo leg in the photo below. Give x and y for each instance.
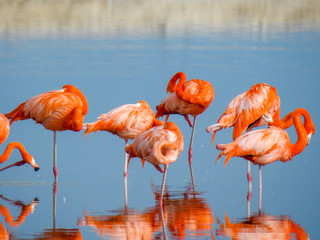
(260, 199)
(188, 120)
(163, 223)
(163, 184)
(125, 174)
(55, 169)
(190, 150)
(260, 178)
(19, 163)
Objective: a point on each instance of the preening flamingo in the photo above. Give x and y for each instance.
(192, 97)
(269, 145)
(4, 132)
(256, 107)
(126, 121)
(57, 110)
(159, 145)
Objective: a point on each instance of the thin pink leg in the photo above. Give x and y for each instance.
(260, 177)
(55, 169)
(188, 120)
(163, 184)
(125, 174)
(190, 150)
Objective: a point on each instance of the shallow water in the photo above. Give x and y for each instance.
(125, 51)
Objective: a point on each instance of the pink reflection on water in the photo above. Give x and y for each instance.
(262, 227)
(182, 215)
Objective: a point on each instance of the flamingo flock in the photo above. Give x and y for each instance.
(161, 142)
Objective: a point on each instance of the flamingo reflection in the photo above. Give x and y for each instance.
(26, 209)
(182, 215)
(58, 233)
(4, 234)
(262, 226)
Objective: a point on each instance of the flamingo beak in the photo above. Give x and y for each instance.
(268, 118)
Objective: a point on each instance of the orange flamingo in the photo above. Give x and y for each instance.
(57, 110)
(269, 145)
(256, 107)
(192, 97)
(4, 132)
(159, 145)
(126, 121)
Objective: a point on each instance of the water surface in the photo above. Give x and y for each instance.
(119, 52)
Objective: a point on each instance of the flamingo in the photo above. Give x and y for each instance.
(256, 107)
(57, 110)
(4, 132)
(265, 146)
(192, 97)
(127, 122)
(159, 145)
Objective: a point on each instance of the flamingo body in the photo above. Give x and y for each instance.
(159, 145)
(56, 110)
(260, 147)
(192, 97)
(253, 108)
(126, 121)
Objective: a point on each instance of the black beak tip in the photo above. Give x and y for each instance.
(36, 168)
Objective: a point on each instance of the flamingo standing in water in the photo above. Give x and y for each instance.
(256, 107)
(4, 132)
(127, 122)
(192, 97)
(57, 110)
(269, 145)
(159, 145)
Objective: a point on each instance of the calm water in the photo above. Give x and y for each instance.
(119, 52)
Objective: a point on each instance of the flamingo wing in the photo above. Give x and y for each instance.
(260, 100)
(54, 110)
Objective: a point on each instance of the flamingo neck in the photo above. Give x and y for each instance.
(302, 139)
(76, 91)
(285, 122)
(4, 157)
(172, 86)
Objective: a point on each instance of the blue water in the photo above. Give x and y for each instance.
(112, 70)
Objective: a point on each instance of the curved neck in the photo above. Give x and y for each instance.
(284, 123)
(4, 157)
(302, 140)
(76, 91)
(172, 86)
